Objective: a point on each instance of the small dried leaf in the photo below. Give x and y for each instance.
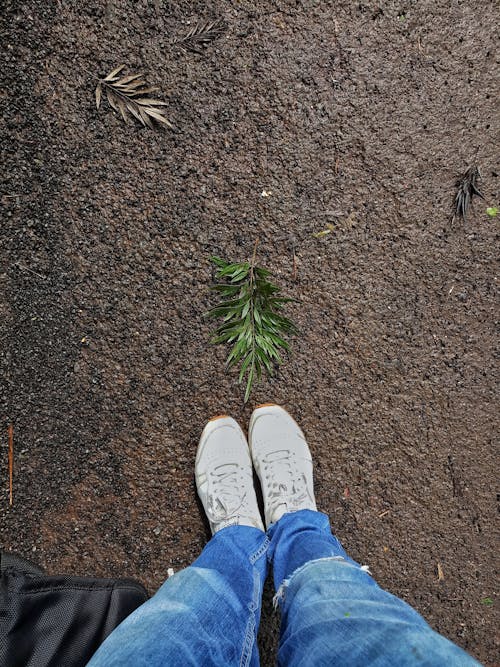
(146, 118)
(110, 98)
(146, 91)
(324, 232)
(113, 74)
(135, 112)
(127, 79)
(440, 572)
(151, 102)
(122, 107)
(98, 95)
(132, 86)
(157, 115)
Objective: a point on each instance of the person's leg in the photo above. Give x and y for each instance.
(333, 612)
(207, 614)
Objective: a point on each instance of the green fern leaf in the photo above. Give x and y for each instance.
(250, 309)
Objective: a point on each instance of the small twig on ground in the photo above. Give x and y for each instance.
(11, 463)
(457, 485)
(294, 265)
(254, 256)
(21, 267)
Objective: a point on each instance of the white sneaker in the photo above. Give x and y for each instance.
(282, 460)
(224, 476)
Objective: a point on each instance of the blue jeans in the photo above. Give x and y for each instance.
(333, 612)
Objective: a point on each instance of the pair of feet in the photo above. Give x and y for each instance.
(224, 470)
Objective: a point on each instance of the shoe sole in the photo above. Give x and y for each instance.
(214, 419)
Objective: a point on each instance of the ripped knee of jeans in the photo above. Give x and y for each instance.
(279, 598)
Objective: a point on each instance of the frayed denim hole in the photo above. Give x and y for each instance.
(280, 593)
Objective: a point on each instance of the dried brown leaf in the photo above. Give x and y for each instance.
(200, 35)
(146, 119)
(113, 74)
(150, 102)
(135, 112)
(132, 86)
(152, 89)
(123, 109)
(111, 99)
(158, 115)
(467, 187)
(128, 79)
(128, 97)
(98, 95)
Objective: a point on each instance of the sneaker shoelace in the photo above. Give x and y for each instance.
(226, 492)
(286, 485)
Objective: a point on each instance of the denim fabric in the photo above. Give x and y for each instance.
(207, 614)
(298, 538)
(333, 612)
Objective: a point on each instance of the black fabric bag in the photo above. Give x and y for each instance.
(58, 621)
